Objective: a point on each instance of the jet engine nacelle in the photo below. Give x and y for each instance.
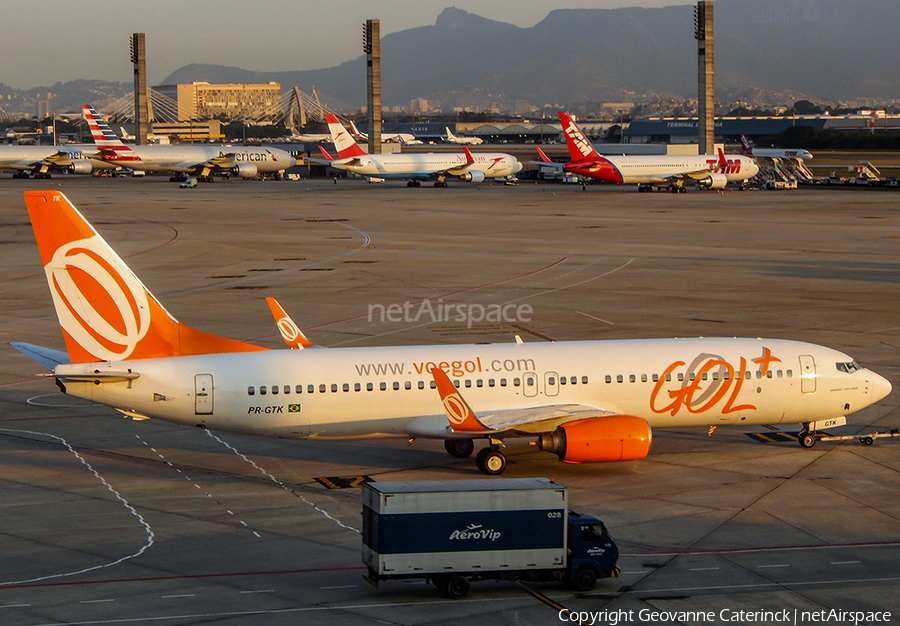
(714, 181)
(245, 170)
(80, 167)
(475, 176)
(600, 439)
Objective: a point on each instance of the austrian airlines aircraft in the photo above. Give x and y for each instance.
(585, 401)
(647, 171)
(197, 160)
(466, 167)
(40, 161)
(774, 153)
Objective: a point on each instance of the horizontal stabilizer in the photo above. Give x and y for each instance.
(98, 377)
(45, 356)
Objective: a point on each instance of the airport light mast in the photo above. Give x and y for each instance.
(703, 33)
(372, 48)
(141, 107)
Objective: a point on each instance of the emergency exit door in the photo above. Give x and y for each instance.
(203, 394)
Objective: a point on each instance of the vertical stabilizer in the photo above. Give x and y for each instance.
(105, 311)
(345, 145)
(579, 146)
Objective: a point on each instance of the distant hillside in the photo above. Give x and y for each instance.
(825, 49)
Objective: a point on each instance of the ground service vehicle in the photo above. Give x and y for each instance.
(454, 532)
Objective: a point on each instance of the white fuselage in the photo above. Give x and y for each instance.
(30, 157)
(388, 391)
(491, 164)
(189, 158)
(775, 153)
(660, 169)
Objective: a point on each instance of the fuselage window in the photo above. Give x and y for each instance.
(357, 387)
(251, 391)
(680, 376)
(396, 386)
(758, 374)
(407, 385)
(790, 373)
(310, 388)
(727, 375)
(573, 380)
(468, 382)
(287, 389)
(668, 378)
(456, 383)
(608, 378)
(693, 375)
(322, 388)
(262, 390)
(334, 387)
(516, 382)
(643, 378)
(490, 382)
(382, 386)
(562, 380)
(421, 384)
(631, 378)
(619, 378)
(369, 386)
(432, 384)
(479, 383)
(769, 374)
(346, 387)
(274, 390)
(715, 375)
(298, 389)
(503, 382)
(584, 380)
(780, 374)
(655, 377)
(529, 381)
(704, 376)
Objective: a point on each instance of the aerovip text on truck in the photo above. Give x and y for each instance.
(451, 533)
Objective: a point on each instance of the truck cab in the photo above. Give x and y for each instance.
(592, 553)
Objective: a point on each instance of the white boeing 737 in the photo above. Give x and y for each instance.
(467, 167)
(584, 401)
(196, 160)
(647, 171)
(470, 141)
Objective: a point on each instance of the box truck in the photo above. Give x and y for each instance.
(450, 533)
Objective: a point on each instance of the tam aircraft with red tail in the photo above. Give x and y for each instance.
(648, 171)
(584, 401)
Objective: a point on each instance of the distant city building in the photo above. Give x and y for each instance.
(209, 130)
(204, 101)
(418, 105)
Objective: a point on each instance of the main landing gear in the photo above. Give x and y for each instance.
(490, 460)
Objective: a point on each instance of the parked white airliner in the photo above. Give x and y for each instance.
(585, 401)
(42, 161)
(471, 141)
(647, 171)
(197, 160)
(468, 167)
(774, 153)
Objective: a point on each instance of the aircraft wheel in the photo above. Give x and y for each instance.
(806, 439)
(491, 462)
(459, 448)
(410, 183)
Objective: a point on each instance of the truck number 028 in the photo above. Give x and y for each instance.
(554, 515)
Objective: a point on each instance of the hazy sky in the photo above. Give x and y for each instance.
(63, 40)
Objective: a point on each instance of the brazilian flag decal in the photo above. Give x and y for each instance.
(293, 408)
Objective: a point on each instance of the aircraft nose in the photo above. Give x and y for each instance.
(881, 387)
(517, 167)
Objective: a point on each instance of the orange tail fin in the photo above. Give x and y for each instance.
(105, 311)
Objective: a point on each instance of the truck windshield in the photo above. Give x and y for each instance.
(593, 532)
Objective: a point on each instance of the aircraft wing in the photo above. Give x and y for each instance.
(537, 419)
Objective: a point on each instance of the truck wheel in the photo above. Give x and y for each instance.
(459, 448)
(491, 462)
(584, 579)
(868, 441)
(456, 587)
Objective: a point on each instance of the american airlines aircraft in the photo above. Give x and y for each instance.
(40, 161)
(197, 160)
(647, 171)
(584, 401)
(467, 167)
(470, 141)
(774, 153)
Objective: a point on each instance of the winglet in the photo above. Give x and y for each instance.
(290, 332)
(327, 156)
(460, 416)
(469, 158)
(543, 156)
(723, 163)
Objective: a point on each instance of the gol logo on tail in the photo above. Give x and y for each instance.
(100, 303)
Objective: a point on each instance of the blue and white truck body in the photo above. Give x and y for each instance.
(456, 531)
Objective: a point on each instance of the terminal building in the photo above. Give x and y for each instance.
(205, 101)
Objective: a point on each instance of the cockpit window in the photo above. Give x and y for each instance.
(849, 368)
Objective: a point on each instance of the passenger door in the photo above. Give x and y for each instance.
(807, 374)
(203, 394)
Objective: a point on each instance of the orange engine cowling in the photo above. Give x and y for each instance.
(599, 439)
